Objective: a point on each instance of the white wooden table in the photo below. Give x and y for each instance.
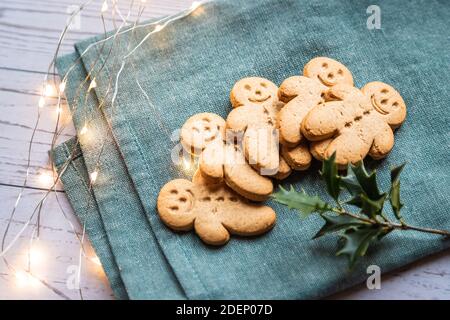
(29, 30)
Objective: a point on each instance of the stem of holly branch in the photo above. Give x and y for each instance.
(392, 225)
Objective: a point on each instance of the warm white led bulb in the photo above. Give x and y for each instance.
(92, 85)
(49, 90)
(41, 102)
(96, 260)
(93, 176)
(158, 28)
(46, 179)
(104, 7)
(195, 5)
(62, 86)
(84, 130)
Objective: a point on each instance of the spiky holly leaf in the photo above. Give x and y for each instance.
(372, 208)
(337, 223)
(364, 190)
(367, 182)
(330, 174)
(300, 201)
(394, 193)
(357, 241)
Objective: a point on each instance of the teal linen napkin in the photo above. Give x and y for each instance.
(142, 265)
(75, 177)
(190, 67)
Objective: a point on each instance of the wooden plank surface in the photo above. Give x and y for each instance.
(29, 31)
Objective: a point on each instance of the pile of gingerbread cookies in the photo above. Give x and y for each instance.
(269, 132)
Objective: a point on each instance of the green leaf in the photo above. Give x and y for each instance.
(371, 208)
(330, 174)
(357, 241)
(364, 190)
(337, 223)
(367, 182)
(394, 193)
(300, 201)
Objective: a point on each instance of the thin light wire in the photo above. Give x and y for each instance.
(165, 21)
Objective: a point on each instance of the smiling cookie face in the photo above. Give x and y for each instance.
(329, 72)
(200, 130)
(175, 204)
(386, 101)
(253, 91)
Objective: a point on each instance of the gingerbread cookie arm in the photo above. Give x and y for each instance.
(247, 219)
(243, 179)
(261, 149)
(298, 158)
(383, 142)
(324, 120)
(349, 148)
(212, 160)
(318, 149)
(210, 229)
(284, 170)
(239, 118)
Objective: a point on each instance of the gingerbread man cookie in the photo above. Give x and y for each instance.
(300, 94)
(220, 161)
(352, 126)
(213, 210)
(254, 117)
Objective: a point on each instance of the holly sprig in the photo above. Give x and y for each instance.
(356, 230)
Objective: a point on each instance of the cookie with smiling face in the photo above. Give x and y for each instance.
(212, 210)
(352, 125)
(254, 119)
(203, 135)
(386, 101)
(253, 91)
(328, 71)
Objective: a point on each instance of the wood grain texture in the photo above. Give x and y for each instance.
(29, 31)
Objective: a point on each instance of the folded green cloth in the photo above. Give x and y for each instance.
(142, 266)
(68, 157)
(190, 67)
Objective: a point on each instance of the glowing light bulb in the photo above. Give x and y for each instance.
(104, 7)
(143, 1)
(96, 260)
(195, 5)
(49, 90)
(36, 255)
(84, 130)
(93, 176)
(41, 102)
(25, 279)
(186, 164)
(46, 179)
(158, 28)
(58, 110)
(92, 85)
(62, 86)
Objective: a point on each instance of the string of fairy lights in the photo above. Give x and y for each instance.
(25, 275)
